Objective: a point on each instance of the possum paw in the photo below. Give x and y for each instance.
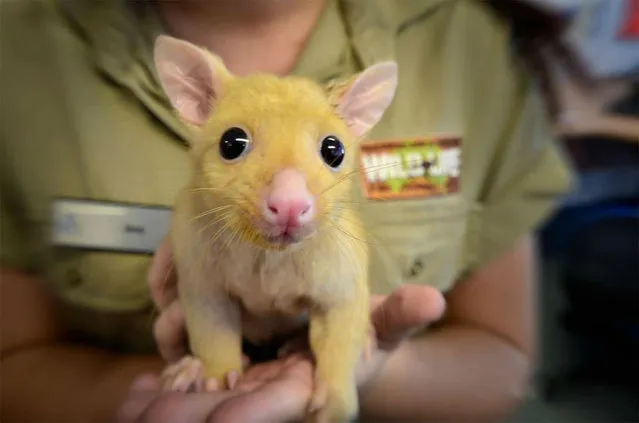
(327, 406)
(319, 397)
(186, 375)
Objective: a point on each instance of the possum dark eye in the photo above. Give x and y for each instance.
(233, 143)
(332, 151)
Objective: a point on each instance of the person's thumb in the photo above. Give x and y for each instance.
(406, 310)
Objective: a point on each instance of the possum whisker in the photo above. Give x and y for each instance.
(212, 211)
(341, 205)
(229, 241)
(347, 233)
(220, 232)
(228, 225)
(366, 228)
(223, 190)
(350, 219)
(345, 201)
(218, 219)
(166, 277)
(340, 179)
(347, 250)
(380, 166)
(353, 173)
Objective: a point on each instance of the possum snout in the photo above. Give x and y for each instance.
(288, 203)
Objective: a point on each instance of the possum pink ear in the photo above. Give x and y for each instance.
(365, 101)
(191, 77)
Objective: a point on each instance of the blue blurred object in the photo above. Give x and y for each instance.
(598, 246)
(560, 232)
(600, 32)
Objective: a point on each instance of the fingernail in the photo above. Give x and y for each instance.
(231, 379)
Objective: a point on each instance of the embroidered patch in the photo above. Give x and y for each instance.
(408, 169)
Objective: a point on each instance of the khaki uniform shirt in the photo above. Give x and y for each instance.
(82, 115)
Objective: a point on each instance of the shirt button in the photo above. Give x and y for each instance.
(416, 268)
(74, 279)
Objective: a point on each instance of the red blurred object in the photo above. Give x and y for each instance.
(630, 28)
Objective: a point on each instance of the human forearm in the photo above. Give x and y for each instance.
(620, 127)
(456, 374)
(67, 383)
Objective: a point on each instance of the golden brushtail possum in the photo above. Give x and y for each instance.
(265, 236)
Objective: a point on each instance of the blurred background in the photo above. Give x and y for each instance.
(589, 370)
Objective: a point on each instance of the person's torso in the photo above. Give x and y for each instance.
(95, 127)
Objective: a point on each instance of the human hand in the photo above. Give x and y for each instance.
(169, 329)
(277, 391)
(584, 111)
(394, 317)
(408, 309)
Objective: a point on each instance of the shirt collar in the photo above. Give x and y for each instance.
(350, 35)
(375, 24)
(328, 51)
(366, 26)
(122, 52)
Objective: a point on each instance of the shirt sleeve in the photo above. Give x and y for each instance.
(527, 180)
(527, 173)
(16, 246)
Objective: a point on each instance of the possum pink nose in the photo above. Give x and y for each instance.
(289, 212)
(289, 204)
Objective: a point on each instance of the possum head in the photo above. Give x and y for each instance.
(278, 155)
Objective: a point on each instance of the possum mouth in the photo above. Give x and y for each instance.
(280, 238)
(284, 239)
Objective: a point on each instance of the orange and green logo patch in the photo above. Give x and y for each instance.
(405, 169)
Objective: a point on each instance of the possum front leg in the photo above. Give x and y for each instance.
(214, 328)
(338, 338)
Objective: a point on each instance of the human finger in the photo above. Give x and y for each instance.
(142, 392)
(376, 301)
(282, 399)
(407, 309)
(269, 370)
(262, 373)
(182, 407)
(170, 333)
(162, 277)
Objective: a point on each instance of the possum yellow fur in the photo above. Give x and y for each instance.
(265, 236)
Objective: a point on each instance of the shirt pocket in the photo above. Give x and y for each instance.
(105, 298)
(105, 281)
(418, 241)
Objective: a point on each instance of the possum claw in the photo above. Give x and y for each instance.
(319, 397)
(331, 405)
(231, 379)
(184, 375)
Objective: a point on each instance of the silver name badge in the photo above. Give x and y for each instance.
(97, 225)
